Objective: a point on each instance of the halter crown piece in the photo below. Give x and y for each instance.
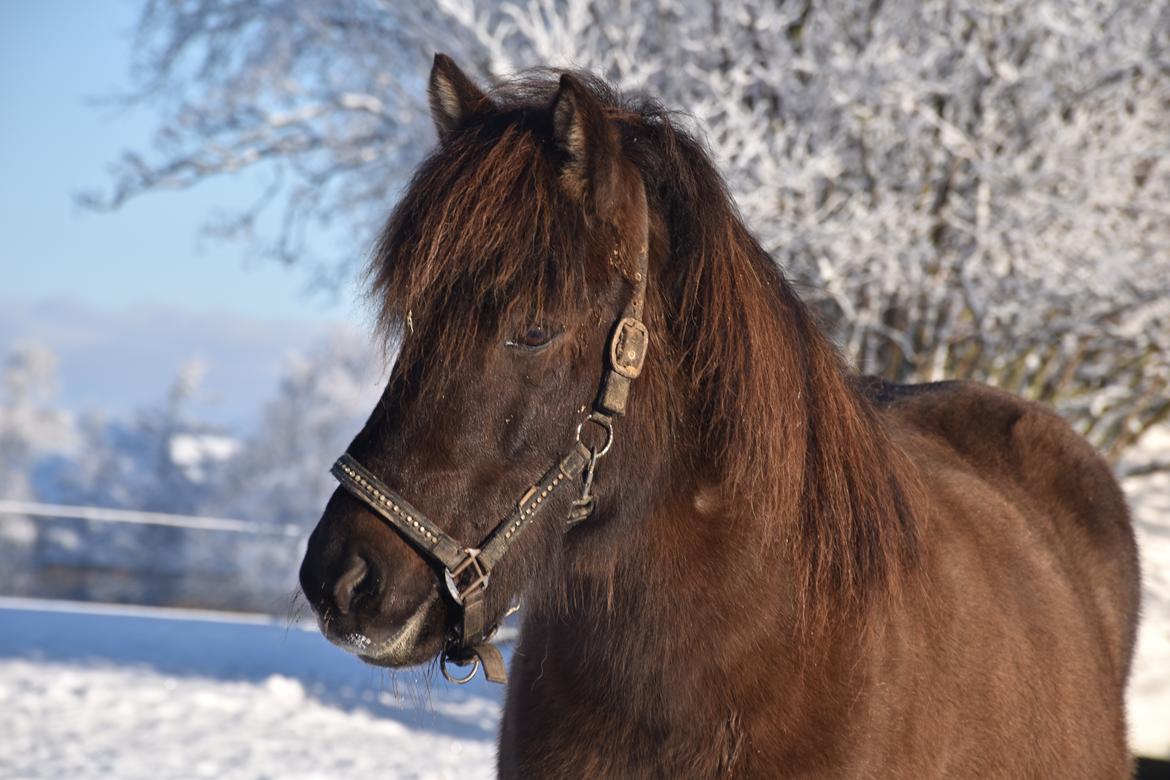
(467, 570)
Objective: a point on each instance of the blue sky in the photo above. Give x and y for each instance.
(56, 58)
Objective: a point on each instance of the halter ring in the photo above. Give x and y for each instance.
(605, 423)
(458, 680)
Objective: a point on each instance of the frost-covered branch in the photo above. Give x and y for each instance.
(961, 188)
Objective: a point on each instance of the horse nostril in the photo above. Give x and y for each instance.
(356, 581)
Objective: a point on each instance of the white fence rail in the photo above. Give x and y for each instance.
(13, 508)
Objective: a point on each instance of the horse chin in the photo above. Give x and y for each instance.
(416, 641)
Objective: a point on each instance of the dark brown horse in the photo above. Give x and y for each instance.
(780, 568)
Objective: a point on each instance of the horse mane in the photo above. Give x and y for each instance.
(796, 446)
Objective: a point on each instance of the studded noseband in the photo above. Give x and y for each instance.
(467, 570)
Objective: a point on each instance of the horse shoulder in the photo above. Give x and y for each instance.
(1030, 535)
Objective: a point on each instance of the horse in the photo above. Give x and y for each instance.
(735, 557)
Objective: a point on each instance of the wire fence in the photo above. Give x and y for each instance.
(135, 517)
(89, 553)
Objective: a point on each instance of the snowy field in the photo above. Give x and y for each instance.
(99, 692)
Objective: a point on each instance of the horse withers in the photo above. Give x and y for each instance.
(736, 558)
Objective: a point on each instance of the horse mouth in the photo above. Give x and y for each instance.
(406, 646)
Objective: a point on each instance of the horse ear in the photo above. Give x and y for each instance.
(454, 97)
(591, 143)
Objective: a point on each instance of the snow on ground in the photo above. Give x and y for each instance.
(71, 721)
(1149, 687)
(91, 692)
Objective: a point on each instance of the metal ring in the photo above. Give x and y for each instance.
(604, 422)
(458, 680)
(452, 588)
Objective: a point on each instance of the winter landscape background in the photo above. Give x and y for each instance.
(187, 193)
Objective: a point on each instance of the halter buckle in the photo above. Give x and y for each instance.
(627, 347)
(480, 576)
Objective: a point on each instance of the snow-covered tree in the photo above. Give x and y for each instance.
(30, 426)
(31, 431)
(148, 462)
(281, 474)
(963, 188)
(159, 459)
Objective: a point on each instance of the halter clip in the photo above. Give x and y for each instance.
(480, 579)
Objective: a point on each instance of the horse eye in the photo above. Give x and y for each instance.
(533, 337)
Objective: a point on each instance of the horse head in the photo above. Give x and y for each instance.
(512, 276)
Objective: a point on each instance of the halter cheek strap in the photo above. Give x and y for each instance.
(467, 570)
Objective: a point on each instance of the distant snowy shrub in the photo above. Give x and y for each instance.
(162, 460)
(281, 473)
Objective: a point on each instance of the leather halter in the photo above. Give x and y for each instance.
(467, 570)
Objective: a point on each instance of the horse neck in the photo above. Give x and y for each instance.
(729, 576)
(691, 626)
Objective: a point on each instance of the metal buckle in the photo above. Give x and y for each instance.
(627, 348)
(481, 575)
(582, 508)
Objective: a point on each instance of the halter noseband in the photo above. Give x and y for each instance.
(467, 570)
